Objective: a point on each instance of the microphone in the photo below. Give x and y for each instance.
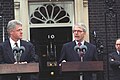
(15, 51)
(83, 48)
(83, 51)
(77, 49)
(21, 49)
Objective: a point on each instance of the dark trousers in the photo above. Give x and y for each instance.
(15, 77)
(76, 76)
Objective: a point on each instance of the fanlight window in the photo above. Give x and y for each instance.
(49, 14)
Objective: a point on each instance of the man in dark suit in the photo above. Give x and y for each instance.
(7, 55)
(114, 61)
(69, 54)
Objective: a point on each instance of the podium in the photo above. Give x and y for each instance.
(87, 66)
(19, 68)
(78, 69)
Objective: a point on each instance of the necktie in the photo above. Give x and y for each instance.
(16, 44)
(79, 43)
(81, 54)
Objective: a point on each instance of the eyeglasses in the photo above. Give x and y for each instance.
(77, 31)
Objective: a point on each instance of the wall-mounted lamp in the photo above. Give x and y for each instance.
(16, 5)
(85, 3)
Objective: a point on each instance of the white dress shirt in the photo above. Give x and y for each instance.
(13, 43)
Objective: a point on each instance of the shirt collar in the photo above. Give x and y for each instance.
(81, 42)
(118, 52)
(13, 43)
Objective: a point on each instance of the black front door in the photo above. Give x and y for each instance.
(42, 37)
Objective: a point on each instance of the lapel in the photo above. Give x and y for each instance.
(115, 56)
(86, 43)
(87, 52)
(8, 50)
(23, 54)
(74, 54)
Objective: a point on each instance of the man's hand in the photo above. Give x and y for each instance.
(20, 62)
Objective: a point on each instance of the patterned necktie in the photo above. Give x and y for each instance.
(79, 43)
(81, 54)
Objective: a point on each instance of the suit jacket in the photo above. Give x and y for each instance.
(69, 54)
(7, 56)
(114, 68)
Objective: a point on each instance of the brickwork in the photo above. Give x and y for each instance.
(107, 29)
(104, 23)
(104, 19)
(6, 13)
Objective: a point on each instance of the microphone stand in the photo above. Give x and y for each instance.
(17, 54)
(81, 51)
(18, 77)
(81, 56)
(18, 61)
(81, 59)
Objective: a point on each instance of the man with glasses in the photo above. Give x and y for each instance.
(69, 54)
(114, 61)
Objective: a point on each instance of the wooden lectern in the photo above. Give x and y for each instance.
(19, 68)
(87, 66)
(70, 68)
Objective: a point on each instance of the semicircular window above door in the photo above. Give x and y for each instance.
(49, 14)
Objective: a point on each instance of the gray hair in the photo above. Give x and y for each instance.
(12, 24)
(82, 26)
(117, 39)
